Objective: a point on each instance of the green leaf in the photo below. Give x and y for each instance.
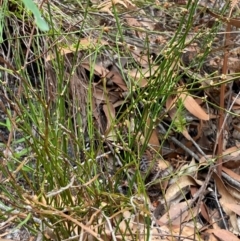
(8, 124)
(3, 11)
(40, 22)
(21, 153)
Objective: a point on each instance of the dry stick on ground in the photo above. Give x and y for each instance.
(231, 181)
(220, 209)
(199, 194)
(178, 143)
(220, 134)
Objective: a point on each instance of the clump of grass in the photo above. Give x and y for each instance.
(60, 179)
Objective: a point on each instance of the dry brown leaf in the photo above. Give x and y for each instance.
(223, 234)
(231, 174)
(113, 96)
(102, 98)
(234, 207)
(98, 70)
(142, 83)
(226, 197)
(204, 212)
(188, 232)
(153, 140)
(204, 160)
(172, 112)
(117, 79)
(231, 157)
(118, 103)
(114, 76)
(193, 107)
(143, 73)
(109, 112)
(232, 21)
(123, 225)
(133, 22)
(236, 109)
(177, 187)
(96, 114)
(140, 58)
(186, 134)
(191, 214)
(139, 55)
(162, 164)
(108, 4)
(213, 116)
(99, 96)
(210, 237)
(236, 100)
(62, 51)
(84, 43)
(188, 168)
(132, 224)
(170, 103)
(234, 191)
(174, 211)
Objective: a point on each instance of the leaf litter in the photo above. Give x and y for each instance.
(183, 199)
